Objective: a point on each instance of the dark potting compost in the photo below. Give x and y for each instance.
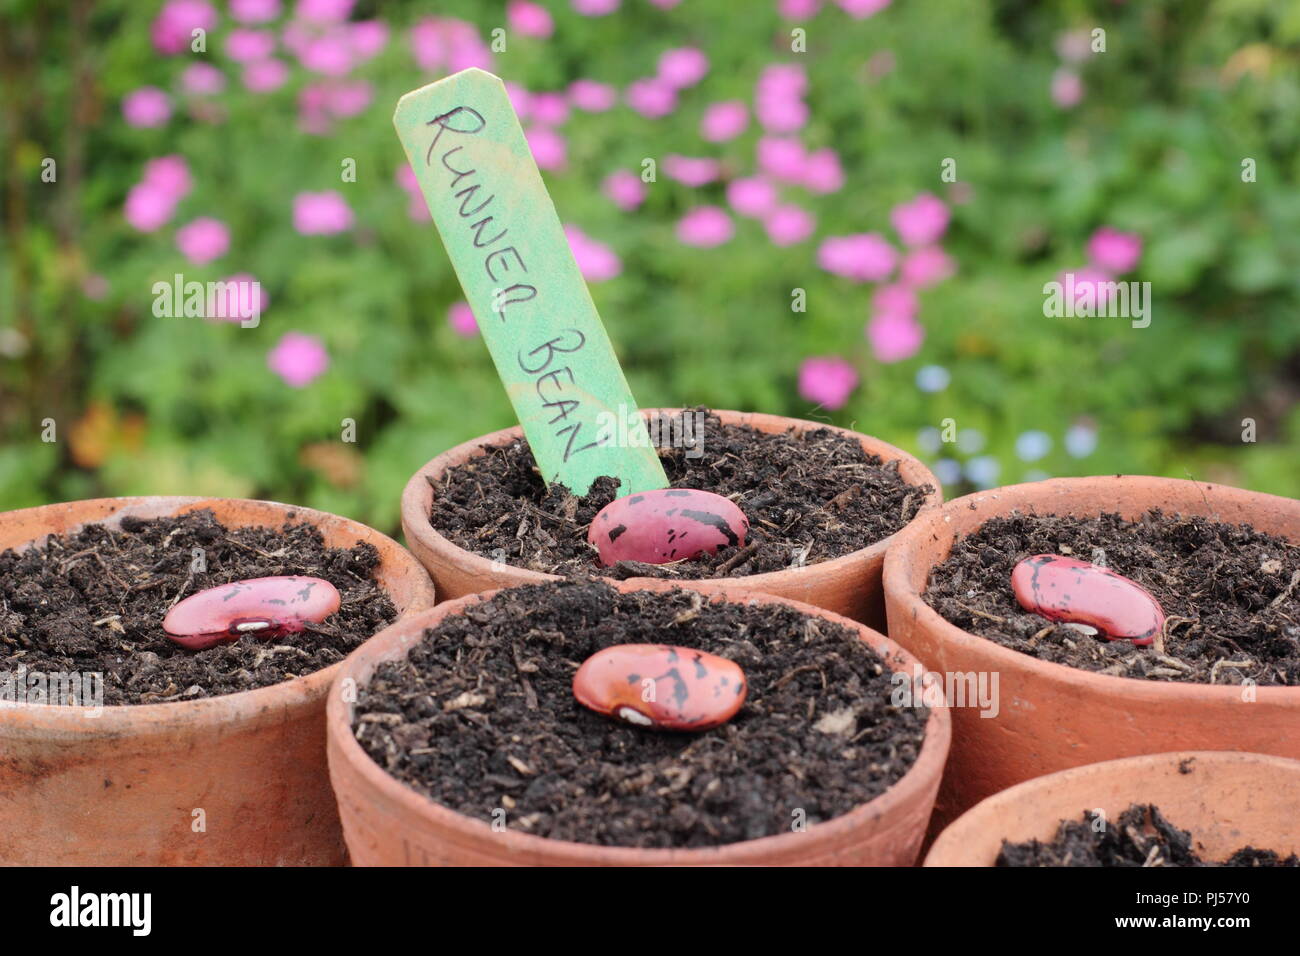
(481, 716)
(1230, 593)
(1140, 837)
(808, 498)
(94, 602)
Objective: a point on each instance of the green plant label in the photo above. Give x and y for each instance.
(510, 253)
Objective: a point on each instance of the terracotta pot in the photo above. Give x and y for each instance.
(387, 823)
(848, 585)
(1225, 800)
(122, 788)
(1051, 716)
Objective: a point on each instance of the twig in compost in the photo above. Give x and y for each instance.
(1286, 592)
(737, 559)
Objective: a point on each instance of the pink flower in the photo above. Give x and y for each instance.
(1074, 46)
(448, 44)
(324, 11)
(369, 37)
(926, 266)
(705, 226)
(881, 64)
(242, 299)
(897, 300)
(596, 261)
(787, 225)
(781, 158)
(781, 115)
(787, 81)
(922, 221)
(752, 197)
(329, 53)
(894, 337)
(529, 19)
(549, 148)
(245, 46)
(520, 100)
(265, 76)
(298, 359)
(95, 287)
(822, 172)
(148, 207)
(865, 257)
(203, 240)
(468, 52)
(170, 175)
(173, 29)
(295, 36)
(254, 11)
(1091, 286)
(778, 102)
(417, 210)
(625, 188)
(682, 67)
(861, 9)
(549, 109)
(959, 194)
(595, 8)
(651, 98)
(416, 207)
(461, 319)
(592, 96)
(349, 99)
(827, 381)
(798, 9)
(321, 214)
(1113, 251)
(313, 109)
(691, 170)
(202, 79)
(724, 121)
(1067, 88)
(146, 107)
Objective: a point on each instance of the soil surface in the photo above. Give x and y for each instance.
(94, 601)
(1231, 595)
(808, 499)
(481, 717)
(1140, 837)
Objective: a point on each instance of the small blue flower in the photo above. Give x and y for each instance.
(970, 441)
(982, 472)
(1033, 445)
(1081, 441)
(948, 471)
(932, 378)
(929, 440)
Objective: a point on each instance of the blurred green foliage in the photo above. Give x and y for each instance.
(1185, 90)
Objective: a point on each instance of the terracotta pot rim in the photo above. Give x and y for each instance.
(934, 749)
(265, 703)
(898, 588)
(418, 487)
(1136, 766)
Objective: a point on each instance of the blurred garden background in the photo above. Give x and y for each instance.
(853, 211)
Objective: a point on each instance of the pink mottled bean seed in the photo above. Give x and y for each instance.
(667, 524)
(1066, 589)
(661, 686)
(264, 607)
